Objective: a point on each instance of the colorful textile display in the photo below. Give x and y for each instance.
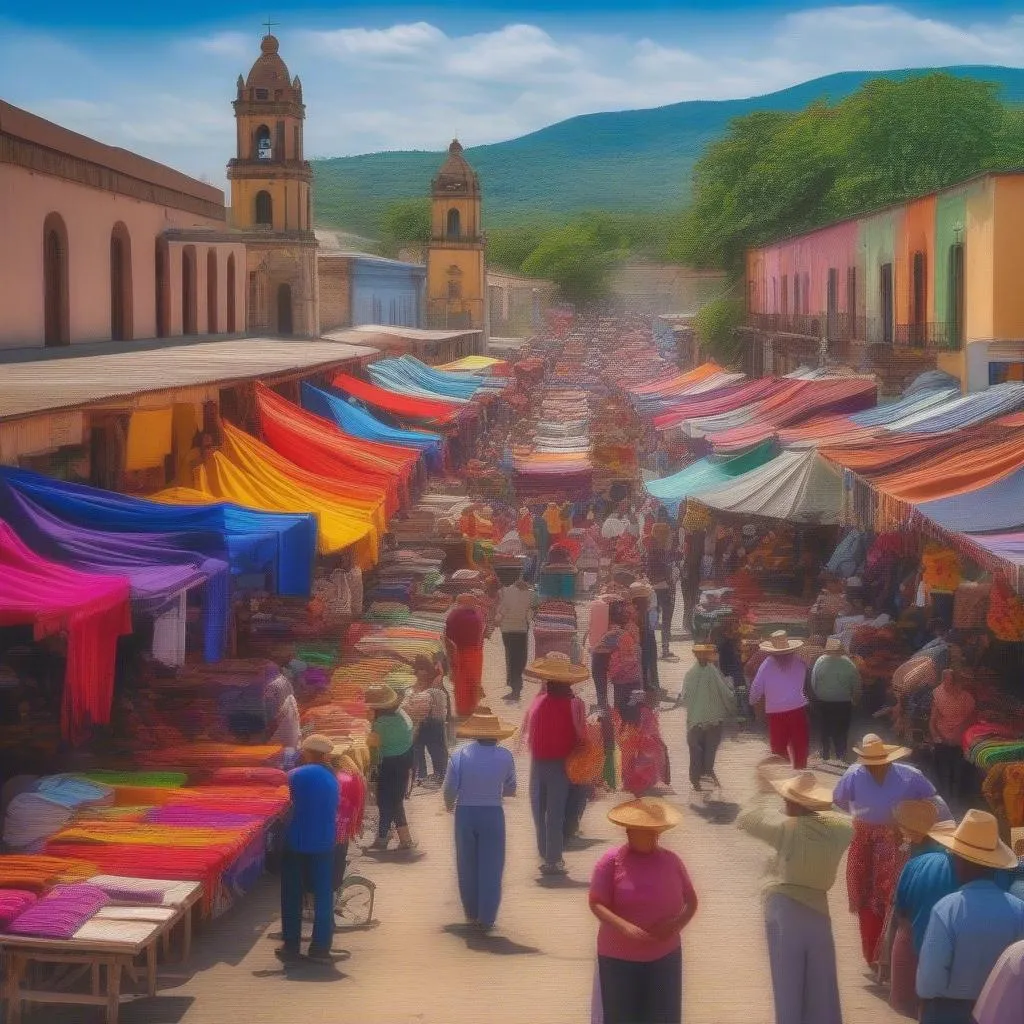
(1005, 616)
(13, 903)
(940, 569)
(403, 405)
(60, 913)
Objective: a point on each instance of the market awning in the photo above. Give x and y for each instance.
(993, 508)
(703, 475)
(407, 406)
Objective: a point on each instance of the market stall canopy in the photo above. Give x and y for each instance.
(357, 421)
(716, 403)
(800, 487)
(404, 375)
(997, 507)
(474, 364)
(398, 404)
(706, 474)
(92, 611)
(253, 539)
(957, 413)
(674, 382)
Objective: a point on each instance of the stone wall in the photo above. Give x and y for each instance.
(273, 263)
(335, 294)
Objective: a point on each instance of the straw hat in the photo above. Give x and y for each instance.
(483, 724)
(557, 668)
(318, 744)
(645, 813)
(641, 589)
(834, 645)
(918, 817)
(380, 697)
(873, 750)
(780, 642)
(1017, 841)
(705, 649)
(804, 789)
(976, 839)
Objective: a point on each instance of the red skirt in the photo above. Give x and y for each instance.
(466, 675)
(872, 868)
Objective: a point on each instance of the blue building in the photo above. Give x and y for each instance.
(357, 288)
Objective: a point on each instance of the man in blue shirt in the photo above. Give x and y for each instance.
(308, 858)
(968, 930)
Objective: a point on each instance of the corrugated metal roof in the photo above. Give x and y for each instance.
(48, 384)
(364, 334)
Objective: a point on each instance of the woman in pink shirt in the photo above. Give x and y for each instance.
(781, 683)
(643, 897)
(952, 712)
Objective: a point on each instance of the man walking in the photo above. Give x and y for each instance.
(780, 682)
(709, 701)
(836, 685)
(515, 605)
(809, 839)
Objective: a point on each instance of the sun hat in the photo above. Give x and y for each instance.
(641, 588)
(874, 750)
(918, 817)
(834, 645)
(976, 839)
(318, 744)
(780, 642)
(645, 813)
(705, 649)
(804, 789)
(483, 724)
(380, 697)
(557, 668)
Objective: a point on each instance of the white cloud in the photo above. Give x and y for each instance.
(413, 85)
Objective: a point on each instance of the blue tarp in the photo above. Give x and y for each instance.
(360, 423)
(911, 404)
(254, 540)
(999, 506)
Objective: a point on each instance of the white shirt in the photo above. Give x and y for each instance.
(514, 605)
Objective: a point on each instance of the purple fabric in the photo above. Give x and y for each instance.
(61, 912)
(121, 894)
(13, 903)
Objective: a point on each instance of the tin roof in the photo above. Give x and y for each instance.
(45, 384)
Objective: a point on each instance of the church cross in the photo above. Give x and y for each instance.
(269, 25)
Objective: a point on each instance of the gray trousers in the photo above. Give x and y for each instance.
(802, 954)
(703, 742)
(549, 793)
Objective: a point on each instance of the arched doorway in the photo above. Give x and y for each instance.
(454, 224)
(188, 290)
(162, 271)
(56, 307)
(284, 309)
(264, 209)
(120, 283)
(211, 291)
(230, 326)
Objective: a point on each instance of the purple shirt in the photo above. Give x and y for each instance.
(781, 683)
(859, 794)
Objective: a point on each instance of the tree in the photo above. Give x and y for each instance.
(715, 326)
(406, 222)
(574, 259)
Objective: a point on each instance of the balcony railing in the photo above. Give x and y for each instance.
(841, 328)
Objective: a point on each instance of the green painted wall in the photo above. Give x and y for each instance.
(878, 245)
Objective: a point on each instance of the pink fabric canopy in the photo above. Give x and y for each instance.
(93, 611)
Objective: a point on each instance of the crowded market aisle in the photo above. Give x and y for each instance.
(419, 965)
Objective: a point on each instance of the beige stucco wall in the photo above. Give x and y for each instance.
(27, 198)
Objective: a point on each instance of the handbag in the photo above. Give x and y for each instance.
(585, 765)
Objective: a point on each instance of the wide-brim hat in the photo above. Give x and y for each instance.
(874, 750)
(918, 817)
(645, 813)
(805, 789)
(557, 668)
(834, 645)
(318, 744)
(780, 642)
(483, 724)
(641, 589)
(976, 839)
(705, 649)
(381, 697)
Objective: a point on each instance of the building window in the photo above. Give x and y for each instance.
(1005, 373)
(264, 209)
(284, 309)
(262, 94)
(918, 299)
(189, 318)
(851, 291)
(296, 144)
(796, 295)
(211, 291)
(955, 313)
(120, 283)
(56, 307)
(453, 228)
(832, 295)
(785, 294)
(885, 288)
(162, 270)
(230, 325)
(280, 139)
(262, 146)
(807, 294)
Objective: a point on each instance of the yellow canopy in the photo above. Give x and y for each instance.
(470, 364)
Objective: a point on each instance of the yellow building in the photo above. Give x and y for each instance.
(271, 200)
(456, 271)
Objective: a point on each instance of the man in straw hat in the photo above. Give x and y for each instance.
(479, 775)
(870, 791)
(970, 929)
(308, 855)
(836, 685)
(809, 839)
(555, 723)
(710, 702)
(780, 683)
(643, 897)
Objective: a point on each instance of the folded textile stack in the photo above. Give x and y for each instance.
(60, 913)
(13, 903)
(34, 816)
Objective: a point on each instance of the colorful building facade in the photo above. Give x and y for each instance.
(936, 277)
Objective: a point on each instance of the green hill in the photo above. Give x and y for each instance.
(623, 160)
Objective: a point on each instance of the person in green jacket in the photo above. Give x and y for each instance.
(836, 685)
(709, 701)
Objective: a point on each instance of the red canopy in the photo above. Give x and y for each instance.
(394, 402)
(92, 610)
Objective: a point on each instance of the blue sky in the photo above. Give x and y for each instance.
(159, 79)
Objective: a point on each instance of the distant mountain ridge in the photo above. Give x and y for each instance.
(621, 160)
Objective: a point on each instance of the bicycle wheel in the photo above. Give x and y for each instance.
(353, 903)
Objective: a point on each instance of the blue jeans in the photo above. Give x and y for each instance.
(307, 872)
(480, 859)
(549, 794)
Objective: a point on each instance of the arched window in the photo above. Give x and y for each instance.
(453, 227)
(263, 148)
(120, 283)
(162, 270)
(284, 309)
(230, 326)
(211, 291)
(188, 290)
(56, 308)
(264, 209)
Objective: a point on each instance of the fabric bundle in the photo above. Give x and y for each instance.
(38, 872)
(60, 913)
(13, 903)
